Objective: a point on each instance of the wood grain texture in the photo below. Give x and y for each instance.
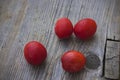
(112, 60)
(35, 20)
(114, 26)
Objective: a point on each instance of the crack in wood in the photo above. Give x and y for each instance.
(113, 40)
(112, 57)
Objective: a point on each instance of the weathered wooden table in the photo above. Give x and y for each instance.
(24, 20)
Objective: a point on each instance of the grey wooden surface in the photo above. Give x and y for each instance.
(112, 60)
(24, 20)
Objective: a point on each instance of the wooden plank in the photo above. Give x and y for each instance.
(112, 60)
(38, 24)
(114, 26)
